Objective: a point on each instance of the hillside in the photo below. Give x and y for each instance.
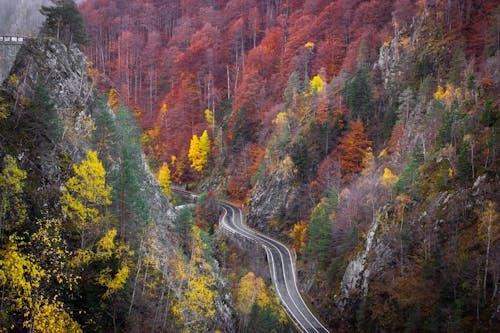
(363, 134)
(89, 240)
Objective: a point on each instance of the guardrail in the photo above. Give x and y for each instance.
(12, 40)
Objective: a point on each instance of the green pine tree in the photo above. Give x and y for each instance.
(65, 22)
(319, 232)
(358, 94)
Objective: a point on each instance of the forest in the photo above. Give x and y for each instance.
(364, 134)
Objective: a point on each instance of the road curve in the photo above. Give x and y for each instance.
(282, 266)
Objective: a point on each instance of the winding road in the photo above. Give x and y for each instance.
(282, 266)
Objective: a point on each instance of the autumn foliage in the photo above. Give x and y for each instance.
(84, 195)
(362, 112)
(169, 56)
(352, 150)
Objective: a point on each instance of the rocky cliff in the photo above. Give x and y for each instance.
(271, 197)
(422, 243)
(51, 116)
(7, 57)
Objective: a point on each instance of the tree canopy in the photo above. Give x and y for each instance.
(64, 21)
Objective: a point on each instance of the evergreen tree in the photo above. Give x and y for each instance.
(292, 91)
(183, 224)
(129, 199)
(301, 158)
(407, 178)
(464, 161)
(242, 131)
(105, 134)
(65, 22)
(491, 113)
(445, 134)
(45, 112)
(358, 94)
(319, 232)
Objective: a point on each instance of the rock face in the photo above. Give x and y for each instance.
(371, 260)
(63, 73)
(7, 57)
(271, 196)
(162, 212)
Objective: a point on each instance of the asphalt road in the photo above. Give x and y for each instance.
(282, 266)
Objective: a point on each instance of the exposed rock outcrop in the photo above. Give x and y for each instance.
(271, 196)
(371, 260)
(63, 74)
(7, 57)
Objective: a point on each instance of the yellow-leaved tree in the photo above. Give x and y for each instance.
(251, 291)
(32, 275)
(209, 117)
(388, 180)
(164, 179)
(51, 317)
(204, 146)
(85, 195)
(199, 150)
(20, 278)
(113, 98)
(316, 86)
(196, 304)
(12, 208)
(194, 153)
(112, 252)
(299, 234)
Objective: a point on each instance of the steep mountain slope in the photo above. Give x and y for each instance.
(179, 58)
(87, 238)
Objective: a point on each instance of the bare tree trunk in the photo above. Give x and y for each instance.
(488, 245)
(472, 158)
(228, 84)
(150, 94)
(157, 310)
(236, 79)
(145, 277)
(478, 296)
(135, 283)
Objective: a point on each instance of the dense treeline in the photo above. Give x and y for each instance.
(172, 60)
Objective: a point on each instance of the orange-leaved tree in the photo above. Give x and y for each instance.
(352, 150)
